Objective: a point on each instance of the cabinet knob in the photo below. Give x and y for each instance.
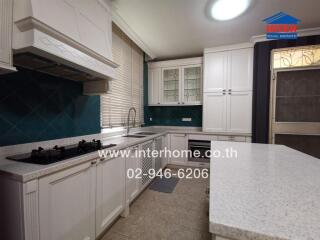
(178, 102)
(182, 102)
(93, 162)
(223, 90)
(230, 90)
(224, 93)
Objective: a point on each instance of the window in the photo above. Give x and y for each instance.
(296, 57)
(127, 89)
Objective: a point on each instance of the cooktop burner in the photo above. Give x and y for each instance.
(47, 156)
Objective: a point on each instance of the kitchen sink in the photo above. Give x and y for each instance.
(145, 133)
(135, 136)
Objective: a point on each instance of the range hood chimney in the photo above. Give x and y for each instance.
(66, 38)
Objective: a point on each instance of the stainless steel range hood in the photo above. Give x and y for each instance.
(45, 40)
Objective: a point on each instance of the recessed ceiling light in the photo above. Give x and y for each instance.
(223, 10)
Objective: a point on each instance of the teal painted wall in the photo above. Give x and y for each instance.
(171, 115)
(37, 107)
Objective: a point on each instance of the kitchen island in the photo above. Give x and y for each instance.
(266, 192)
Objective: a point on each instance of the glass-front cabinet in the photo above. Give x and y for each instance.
(171, 86)
(175, 82)
(191, 84)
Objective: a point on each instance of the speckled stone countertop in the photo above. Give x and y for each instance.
(269, 192)
(25, 172)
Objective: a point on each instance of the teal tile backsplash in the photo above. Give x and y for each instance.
(37, 107)
(172, 115)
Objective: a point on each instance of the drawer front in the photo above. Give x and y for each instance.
(232, 138)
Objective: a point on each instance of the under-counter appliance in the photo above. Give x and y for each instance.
(59, 153)
(200, 150)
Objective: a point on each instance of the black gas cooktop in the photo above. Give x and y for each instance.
(47, 156)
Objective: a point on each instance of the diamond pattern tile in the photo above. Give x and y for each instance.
(37, 107)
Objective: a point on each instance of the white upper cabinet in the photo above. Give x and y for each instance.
(154, 91)
(171, 85)
(227, 101)
(6, 36)
(180, 82)
(241, 72)
(228, 70)
(215, 71)
(191, 84)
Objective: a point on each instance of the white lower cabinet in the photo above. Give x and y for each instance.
(67, 204)
(110, 193)
(178, 143)
(133, 164)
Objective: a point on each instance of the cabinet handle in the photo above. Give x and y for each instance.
(93, 162)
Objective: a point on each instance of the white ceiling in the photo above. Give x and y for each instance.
(178, 28)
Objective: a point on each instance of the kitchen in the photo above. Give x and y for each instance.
(159, 119)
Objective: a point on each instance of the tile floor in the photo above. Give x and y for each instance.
(182, 214)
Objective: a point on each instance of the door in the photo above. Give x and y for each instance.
(215, 71)
(171, 85)
(295, 105)
(67, 204)
(239, 112)
(214, 112)
(110, 192)
(179, 143)
(132, 183)
(154, 86)
(191, 85)
(241, 70)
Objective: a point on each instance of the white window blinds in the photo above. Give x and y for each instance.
(127, 89)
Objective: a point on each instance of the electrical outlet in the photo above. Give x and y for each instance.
(186, 119)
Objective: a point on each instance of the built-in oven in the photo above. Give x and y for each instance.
(199, 151)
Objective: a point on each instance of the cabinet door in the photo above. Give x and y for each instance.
(154, 86)
(214, 112)
(67, 204)
(179, 142)
(110, 192)
(5, 31)
(132, 183)
(147, 163)
(158, 145)
(191, 84)
(239, 112)
(171, 85)
(215, 71)
(241, 70)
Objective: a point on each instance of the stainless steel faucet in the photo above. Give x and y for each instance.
(134, 119)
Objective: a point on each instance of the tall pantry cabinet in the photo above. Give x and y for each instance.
(227, 89)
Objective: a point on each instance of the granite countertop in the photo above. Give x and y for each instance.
(269, 192)
(26, 172)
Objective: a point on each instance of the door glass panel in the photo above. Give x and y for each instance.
(192, 80)
(171, 85)
(298, 96)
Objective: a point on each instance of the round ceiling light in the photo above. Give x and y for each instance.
(223, 10)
